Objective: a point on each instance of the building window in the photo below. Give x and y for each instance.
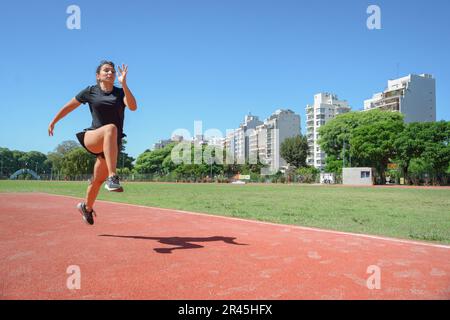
(365, 174)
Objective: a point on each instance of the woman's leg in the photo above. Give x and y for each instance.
(104, 139)
(100, 174)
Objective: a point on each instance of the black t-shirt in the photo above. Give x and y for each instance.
(106, 108)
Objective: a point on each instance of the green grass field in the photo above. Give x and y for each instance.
(415, 214)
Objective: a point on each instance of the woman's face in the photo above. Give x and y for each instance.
(107, 74)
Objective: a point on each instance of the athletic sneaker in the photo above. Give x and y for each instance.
(113, 184)
(87, 215)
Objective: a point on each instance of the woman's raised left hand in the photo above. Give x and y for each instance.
(123, 74)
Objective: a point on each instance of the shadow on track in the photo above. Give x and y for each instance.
(179, 242)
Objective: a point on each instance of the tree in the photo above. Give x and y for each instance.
(55, 159)
(295, 150)
(78, 161)
(424, 142)
(373, 143)
(335, 135)
(308, 174)
(66, 146)
(8, 163)
(152, 161)
(123, 159)
(167, 165)
(18, 160)
(409, 145)
(418, 167)
(333, 164)
(367, 138)
(35, 161)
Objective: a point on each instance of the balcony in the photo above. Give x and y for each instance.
(320, 111)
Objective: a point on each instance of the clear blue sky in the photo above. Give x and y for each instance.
(211, 60)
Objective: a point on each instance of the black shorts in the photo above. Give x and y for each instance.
(80, 137)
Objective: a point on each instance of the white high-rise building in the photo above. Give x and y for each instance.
(215, 141)
(236, 141)
(413, 95)
(266, 139)
(326, 106)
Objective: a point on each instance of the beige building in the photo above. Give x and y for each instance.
(266, 139)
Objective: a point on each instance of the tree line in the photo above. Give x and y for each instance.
(416, 152)
(67, 161)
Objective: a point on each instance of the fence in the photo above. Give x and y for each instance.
(419, 179)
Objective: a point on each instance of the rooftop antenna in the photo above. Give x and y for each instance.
(398, 67)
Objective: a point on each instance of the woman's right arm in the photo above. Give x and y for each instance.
(68, 107)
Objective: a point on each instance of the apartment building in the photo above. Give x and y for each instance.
(266, 139)
(236, 141)
(163, 143)
(413, 95)
(326, 106)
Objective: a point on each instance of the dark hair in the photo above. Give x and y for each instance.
(103, 62)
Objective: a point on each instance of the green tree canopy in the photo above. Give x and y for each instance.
(424, 142)
(373, 142)
(295, 150)
(55, 159)
(78, 161)
(8, 163)
(367, 138)
(151, 161)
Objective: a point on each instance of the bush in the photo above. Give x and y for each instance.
(308, 174)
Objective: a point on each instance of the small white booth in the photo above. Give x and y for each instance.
(358, 176)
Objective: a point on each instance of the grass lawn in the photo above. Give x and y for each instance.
(415, 214)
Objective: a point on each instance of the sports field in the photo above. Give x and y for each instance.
(416, 214)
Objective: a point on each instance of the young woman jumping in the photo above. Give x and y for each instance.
(104, 137)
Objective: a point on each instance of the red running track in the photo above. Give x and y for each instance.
(135, 252)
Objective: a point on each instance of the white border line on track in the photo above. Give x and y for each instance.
(255, 221)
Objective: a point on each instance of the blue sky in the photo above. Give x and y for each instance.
(211, 61)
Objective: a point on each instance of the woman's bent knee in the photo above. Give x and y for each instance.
(110, 128)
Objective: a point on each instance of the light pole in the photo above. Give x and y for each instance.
(350, 155)
(343, 157)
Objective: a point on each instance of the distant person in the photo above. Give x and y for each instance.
(104, 137)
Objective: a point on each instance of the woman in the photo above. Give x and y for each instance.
(103, 139)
